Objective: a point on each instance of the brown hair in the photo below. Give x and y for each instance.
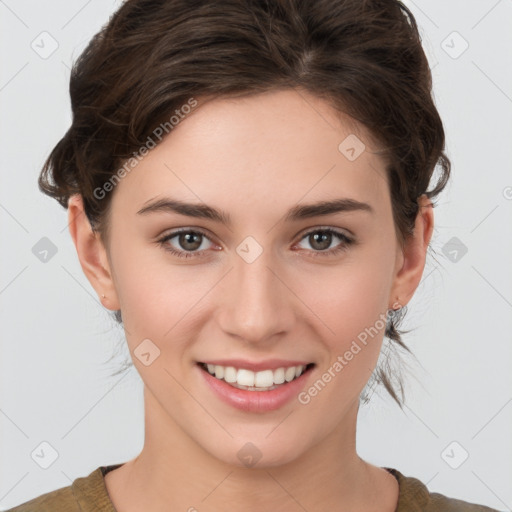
(364, 56)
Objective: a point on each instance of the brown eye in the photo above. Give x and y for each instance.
(321, 239)
(188, 243)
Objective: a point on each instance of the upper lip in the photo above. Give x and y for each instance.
(269, 364)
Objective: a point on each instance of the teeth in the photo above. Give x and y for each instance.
(289, 374)
(243, 377)
(248, 379)
(264, 379)
(229, 374)
(279, 376)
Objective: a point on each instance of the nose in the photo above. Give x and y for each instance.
(256, 304)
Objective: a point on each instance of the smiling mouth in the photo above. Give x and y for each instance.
(264, 380)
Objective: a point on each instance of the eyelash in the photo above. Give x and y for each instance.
(346, 242)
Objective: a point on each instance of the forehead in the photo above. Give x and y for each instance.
(284, 146)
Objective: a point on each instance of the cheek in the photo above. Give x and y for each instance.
(351, 300)
(351, 296)
(159, 300)
(353, 306)
(140, 287)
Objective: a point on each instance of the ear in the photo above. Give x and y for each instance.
(410, 261)
(91, 253)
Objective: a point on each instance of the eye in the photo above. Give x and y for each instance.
(321, 238)
(190, 243)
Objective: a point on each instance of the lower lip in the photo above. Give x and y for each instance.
(255, 401)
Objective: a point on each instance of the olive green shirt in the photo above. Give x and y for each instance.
(89, 494)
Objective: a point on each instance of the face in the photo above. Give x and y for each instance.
(269, 283)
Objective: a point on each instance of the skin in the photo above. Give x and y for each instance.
(254, 157)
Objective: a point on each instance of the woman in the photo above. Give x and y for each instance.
(248, 191)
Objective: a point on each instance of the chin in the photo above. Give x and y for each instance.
(258, 452)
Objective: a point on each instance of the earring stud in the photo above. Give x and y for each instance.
(397, 301)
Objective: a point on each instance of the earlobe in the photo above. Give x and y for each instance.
(413, 256)
(91, 253)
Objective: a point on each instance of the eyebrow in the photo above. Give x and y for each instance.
(296, 213)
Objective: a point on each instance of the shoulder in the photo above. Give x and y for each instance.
(85, 494)
(60, 499)
(415, 497)
(443, 503)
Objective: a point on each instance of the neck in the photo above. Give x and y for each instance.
(174, 472)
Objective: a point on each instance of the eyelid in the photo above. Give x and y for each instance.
(314, 229)
(187, 229)
(346, 240)
(303, 234)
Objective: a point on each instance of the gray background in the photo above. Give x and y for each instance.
(56, 337)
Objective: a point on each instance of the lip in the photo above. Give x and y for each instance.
(255, 401)
(269, 364)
